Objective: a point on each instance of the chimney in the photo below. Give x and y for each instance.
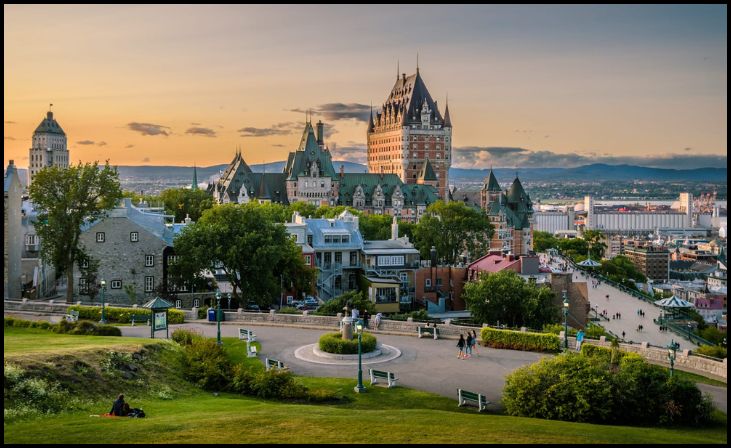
(433, 256)
(320, 127)
(394, 229)
(342, 171)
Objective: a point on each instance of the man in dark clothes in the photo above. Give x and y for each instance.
(118, 407)
(366, 315)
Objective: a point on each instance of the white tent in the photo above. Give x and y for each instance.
(674, 302)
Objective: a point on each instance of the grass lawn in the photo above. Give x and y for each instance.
(22, 341)
(698, 378)
(381, 415)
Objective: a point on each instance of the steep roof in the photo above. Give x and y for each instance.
(414, 194)
(407, 97)
(427, 172)
(447, 120)
(492, 183)
(49, 125)
(299, 162)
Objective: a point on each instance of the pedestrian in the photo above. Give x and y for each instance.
(579, 340)
(468, 345)
(641, 327)
(366, 316)
(623, 335)
(118, 407)
(638, 327)
(474, 341)
(378, 319)
(460, 346)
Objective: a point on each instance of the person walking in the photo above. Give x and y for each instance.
(623, 335)
(378, 320)
(366, 316)
(474, 341)
(579, 340)
(460, 346)
(468, 345)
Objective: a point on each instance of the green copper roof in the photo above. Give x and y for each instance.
(299, 162)
(492, 184)
(368, 182)
(157, 304)
(517, 193)
(49, 126)
(427, 172)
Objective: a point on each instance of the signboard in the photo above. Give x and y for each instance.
(161, 321)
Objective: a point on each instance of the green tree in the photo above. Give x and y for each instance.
(543, 241)
(304, 208)
(184, 201)
(595, 240)
(67, 198)
(506, 298)
(89, 269)
(453, 228)
(354, 299)
(247, 244)
(375, 227)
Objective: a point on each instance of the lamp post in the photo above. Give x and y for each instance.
(359, 388)
(104, 287)
(218, 316)
(565, 321)
(229, 300)
(672, 348)
(690, 327)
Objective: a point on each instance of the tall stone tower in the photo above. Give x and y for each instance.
(408, 132)
(48, 147)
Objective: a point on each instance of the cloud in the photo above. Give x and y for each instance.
(279, 145)
(341, 111)
(86, 142)
(146, 159)
(328, 130)
(195, 124)
(9, 138)
(687, 149)
(9, 122)
(102, 144)
(129, 146)
(201, 131)
(484, 157)
(285, 128)
(352, 152)
(148, 129)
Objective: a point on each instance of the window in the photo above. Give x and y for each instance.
(149, 260)
(134, 237)
(404, 277)
(178, 303)
(439, 282)
(391, 260)
(172, 259)
(82, 286)
(85, 263)
(31, 240)
(346, 238)
(339, 257)
(99, 237)
(149, 283)
(196, 303)
(427, 283)
(116, 284)
(308, 259)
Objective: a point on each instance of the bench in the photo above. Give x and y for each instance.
(140, 318)
(432, 331)
(246, 335)
(274, 364)
(472, 398)
(72, 316)
(390, 377)
(250, 350)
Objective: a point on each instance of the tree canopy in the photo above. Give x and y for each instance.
(453, 228)
(504, 297)
(184, 201)
(66, 198)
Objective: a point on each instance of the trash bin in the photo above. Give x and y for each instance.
(211, 314)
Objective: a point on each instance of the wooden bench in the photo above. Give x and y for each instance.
(72, 316)
(246, 335)
(390, 377)
(274, 364)
(432, 331)
(250, 350)
(140, 318)
(472, 398)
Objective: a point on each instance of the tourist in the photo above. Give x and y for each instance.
(474, 341)
(366, 316)
(468, 345)
(118, 407)
(378, 319)
(460, 346)
(579, 340)
(623, 335)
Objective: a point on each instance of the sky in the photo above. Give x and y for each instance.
(528, 86)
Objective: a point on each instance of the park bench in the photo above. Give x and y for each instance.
(390, 377)
(246, 335)
(432, 331)
(274, 364)
(140, 318)
(72, 316)
(472, 398)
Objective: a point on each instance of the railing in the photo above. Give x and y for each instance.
(685, 333)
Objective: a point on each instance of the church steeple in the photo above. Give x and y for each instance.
(195, 179)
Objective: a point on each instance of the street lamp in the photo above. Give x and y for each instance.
(229, 300)
(672, 348)
(359, 388)
(690, 327)
(218, 315)
(565, 321)
(104, 287)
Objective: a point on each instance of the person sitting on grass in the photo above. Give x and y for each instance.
(119, 407)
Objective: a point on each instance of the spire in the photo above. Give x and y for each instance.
(417, 62)
(492, 183)
(447, 121)
(371, 125)
(427, 172)
(195, 178)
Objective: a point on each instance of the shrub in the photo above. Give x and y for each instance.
(242, 380)
(107, 330)
(121, 315)
(289, 310)
(165, 392)
(33, 396)
(686, 403)
(715, 351)
(185, 337)
(83, 327)
(277, 384)
(205, 364)
(333, 343)
(520, 340)
(605, 353)
(114, 360)
(557, 329)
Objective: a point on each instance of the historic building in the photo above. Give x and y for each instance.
(12, 233)
(511, 213)
(409, 132)
(48, 147)
(309, 176)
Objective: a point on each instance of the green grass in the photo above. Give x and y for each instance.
(381, 415)
(23, 341)
(698, 378)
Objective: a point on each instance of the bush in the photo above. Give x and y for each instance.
(520, 340)
(185, 337)
(605, 354)
(277, 383)
(333, 343)
(205, 364)
(289, 310)
(557, 329)
(80, 327)
(107, 330)
(715, 351)
(114, 360)
(588, 388)
(242, 380)
(25, 396)
(121, 315)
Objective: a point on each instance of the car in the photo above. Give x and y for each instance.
(252, 307)
(311, 301)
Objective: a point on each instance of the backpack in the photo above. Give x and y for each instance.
(136, 413)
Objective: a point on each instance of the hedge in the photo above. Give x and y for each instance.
(80, 327)
(714, 351)
(520, 340)
(121, 315)
(333, 343)
(605, 354)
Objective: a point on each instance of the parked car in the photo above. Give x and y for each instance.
(311, 301)
(252, 307)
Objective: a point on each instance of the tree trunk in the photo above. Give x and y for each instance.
(69, 285)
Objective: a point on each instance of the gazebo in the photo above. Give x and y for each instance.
(673, 303)
(589, 263)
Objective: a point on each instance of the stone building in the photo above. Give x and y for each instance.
(309, 176)
(409, 132)
(511, 213)
(578, 296)
(12, 234)
(48, 147)
(38, 277)
(653, 262)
